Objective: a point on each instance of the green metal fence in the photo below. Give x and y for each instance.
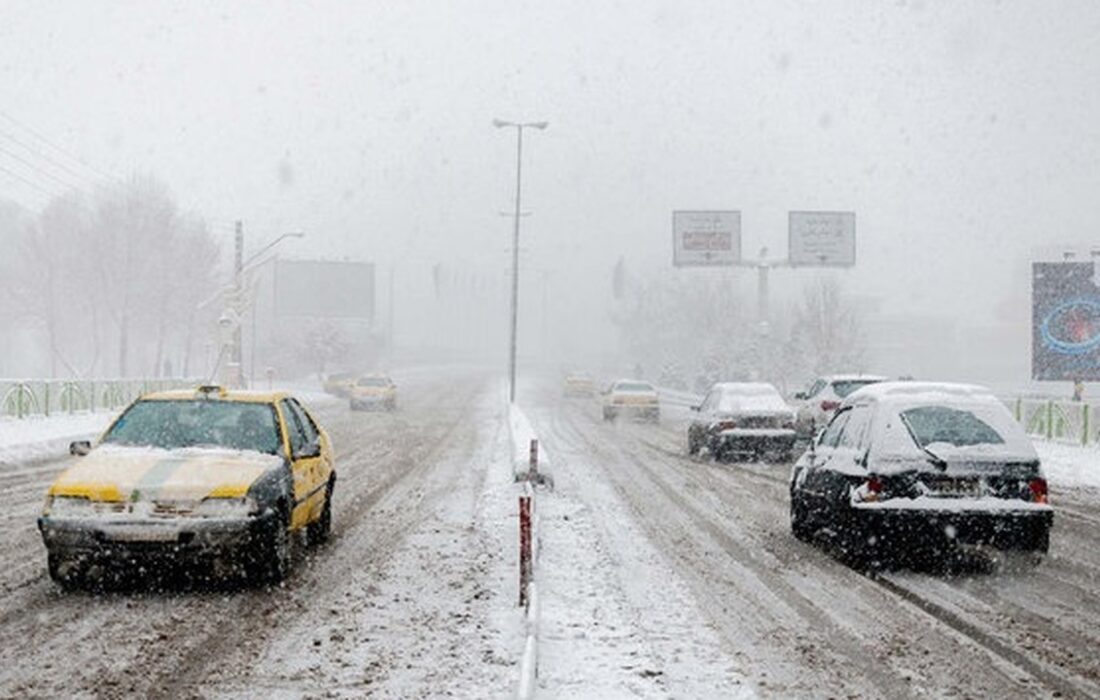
(47, 397)
(1061, 421)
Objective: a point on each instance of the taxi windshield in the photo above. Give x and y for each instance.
(197, 423)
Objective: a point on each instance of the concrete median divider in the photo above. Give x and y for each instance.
(530, 467)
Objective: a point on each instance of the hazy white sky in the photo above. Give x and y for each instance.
(962, 134)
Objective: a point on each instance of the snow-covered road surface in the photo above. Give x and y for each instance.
(660, 577)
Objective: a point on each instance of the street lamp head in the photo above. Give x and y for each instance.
(500, 123)
(296, 234)
(539, 125)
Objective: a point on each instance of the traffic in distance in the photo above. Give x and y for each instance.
(885, 472)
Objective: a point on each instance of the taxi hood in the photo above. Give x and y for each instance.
(121, 473)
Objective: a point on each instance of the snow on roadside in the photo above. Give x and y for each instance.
(616, 621)
(39, 438)
(1069, 465)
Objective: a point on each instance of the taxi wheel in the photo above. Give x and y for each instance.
(64, 572)
(271, 560)
(318, 532)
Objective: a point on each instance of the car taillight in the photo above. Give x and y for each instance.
(1038, 489)
(829, 405)
(726, 425)
(874, 485)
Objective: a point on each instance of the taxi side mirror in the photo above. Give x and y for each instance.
(310, 449)
(79, 448)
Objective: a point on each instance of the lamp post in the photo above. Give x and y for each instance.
(519, 127)
(240, 265)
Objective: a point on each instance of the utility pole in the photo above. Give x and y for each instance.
(238, 282)
(519, 127)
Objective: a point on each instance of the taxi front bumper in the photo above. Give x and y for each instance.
(136, 538)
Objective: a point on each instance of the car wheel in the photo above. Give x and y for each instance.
(801, 528)
(64, 571)
(271, 559)
(318, 532)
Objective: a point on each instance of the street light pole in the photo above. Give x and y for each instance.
(519, 127)
(239, 267)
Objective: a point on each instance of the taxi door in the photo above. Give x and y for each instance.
(305, 456)
(322, 467)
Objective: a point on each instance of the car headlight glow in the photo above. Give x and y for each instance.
(69, 507)
(226, 507)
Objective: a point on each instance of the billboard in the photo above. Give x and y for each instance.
(706, 238)
(822, 238)
(324, 289)
(1065, 321)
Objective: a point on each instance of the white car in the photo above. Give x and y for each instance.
(737, 419)
(910, 469)
(631, 397)
(818, 403)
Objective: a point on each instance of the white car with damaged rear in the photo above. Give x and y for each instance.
(743, 419)
(910, 470)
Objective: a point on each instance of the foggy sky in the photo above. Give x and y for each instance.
(962, 134)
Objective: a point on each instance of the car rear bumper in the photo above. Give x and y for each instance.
(133, 539)
(371, 402)
(752, 440)
(637, 411)
(1003, 527)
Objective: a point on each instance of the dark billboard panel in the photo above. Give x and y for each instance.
(1065, 321)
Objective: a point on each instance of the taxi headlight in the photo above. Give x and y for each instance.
(69, 507)
(226, 507)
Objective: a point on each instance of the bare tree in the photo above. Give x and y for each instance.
(826, 334)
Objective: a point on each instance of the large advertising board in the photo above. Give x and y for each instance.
(822, 238)
(706, 238)
(1065, 321)
(324, 289)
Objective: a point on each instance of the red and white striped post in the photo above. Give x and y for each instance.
(524, 547)
(533, 462)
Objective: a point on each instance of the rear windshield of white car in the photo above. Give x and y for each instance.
(756, 400)
(952, 430)
(173, 425)
(373, 381)
(634, 387)
(843, 388)
(936, 425)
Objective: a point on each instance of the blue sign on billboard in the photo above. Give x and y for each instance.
(1065, 321)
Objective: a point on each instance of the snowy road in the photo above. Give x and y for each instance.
(796, 622)
(684, 582)
(398, 604)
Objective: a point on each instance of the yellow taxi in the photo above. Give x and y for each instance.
(631, 398)
(373, 391)
(206, 475)
(339, 383)
(578, 385)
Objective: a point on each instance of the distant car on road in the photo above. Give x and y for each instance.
(632, 398)
(818, 403)
(743, 419)
(915, 467)
(208, 475)
(578, 385)
(373, 391)
(339, 383)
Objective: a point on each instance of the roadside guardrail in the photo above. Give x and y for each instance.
(23, 398)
